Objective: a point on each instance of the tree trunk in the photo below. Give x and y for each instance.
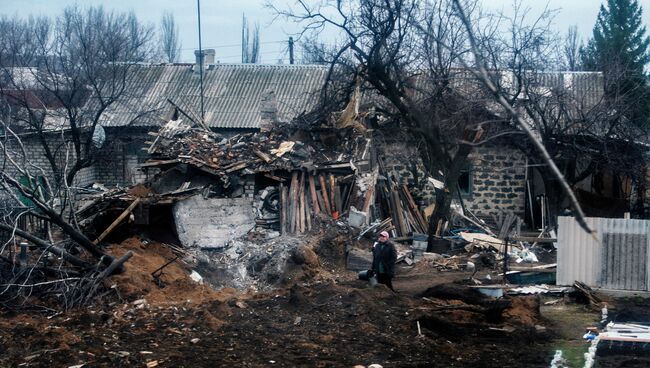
(639, 205)
(445, 196)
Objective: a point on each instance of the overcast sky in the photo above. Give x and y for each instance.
(221, 20)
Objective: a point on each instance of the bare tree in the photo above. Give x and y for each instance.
(170, 43)
(314, 51)
(250, 46)
(504, 97)
(410, 53)
(572, 46)
(58, 77)
(407, 52)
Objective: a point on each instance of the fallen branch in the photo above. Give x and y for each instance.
(45, 246)
(41, 283)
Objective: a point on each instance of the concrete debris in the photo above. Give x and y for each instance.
(538, 289)
(357, 218)
(196, 277)
(211, 223)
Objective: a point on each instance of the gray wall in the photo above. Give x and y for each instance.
(497, 174)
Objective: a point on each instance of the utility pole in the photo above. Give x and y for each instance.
(290, 50)
(201, 58)
(244, 41)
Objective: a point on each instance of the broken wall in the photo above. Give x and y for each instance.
(497, 177)
(498, 181)
(35, 156)
(212, 222)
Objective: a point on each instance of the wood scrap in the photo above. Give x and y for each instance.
(314, 198)
(588, 294)
(117, 221)
(326, 201)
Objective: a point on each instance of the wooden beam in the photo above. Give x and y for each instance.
(160, 163)
(301, 201)
(263, 156)
(323, 190)
(332, 197)
(283, 208)
(117, 221)
(314, 198)
(532, 239)
(292, 202)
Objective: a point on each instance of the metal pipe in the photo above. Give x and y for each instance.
(505, 260)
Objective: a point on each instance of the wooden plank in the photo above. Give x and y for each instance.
(369, 199)
(397, 205)
(238, 166)
(337, 199)
(349, 193)
(276, 178)
(337, 166)
(321, 201)
(292, 201)
(160, 162)
(532, 239)
(153, 145)
(301, 200)
(414, 207)
(333, 204)
(314, 198)
(283, 208)
(323, 188)
(307, 213)
(263, 156)
(117, 220)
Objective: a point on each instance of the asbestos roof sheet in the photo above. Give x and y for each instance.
(235, 95)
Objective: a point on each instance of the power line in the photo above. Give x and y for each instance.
(231, 45)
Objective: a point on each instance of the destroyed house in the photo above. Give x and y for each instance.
(603, 161)
(237, 98)
(504, 175)
(244, 98)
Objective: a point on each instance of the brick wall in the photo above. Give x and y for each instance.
(35, 159)
(118, 162)
(497, 177)
(498, 181)
(403, 163)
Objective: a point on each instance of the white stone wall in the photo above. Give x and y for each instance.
(498, 181)
(498, 177)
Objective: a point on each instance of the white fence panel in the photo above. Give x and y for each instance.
(617, 258)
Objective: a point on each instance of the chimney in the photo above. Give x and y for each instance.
(208, 58)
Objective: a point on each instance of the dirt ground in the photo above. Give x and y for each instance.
(333, 321)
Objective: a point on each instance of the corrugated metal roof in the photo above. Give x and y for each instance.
(234, 94)
(586, 89)
(618, 260)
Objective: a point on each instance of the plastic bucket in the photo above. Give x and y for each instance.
(373, 281)
(365, 275)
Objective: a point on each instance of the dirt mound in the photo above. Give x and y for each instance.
(455, 292)
(139, 191)
(173, 285)
(523, 310)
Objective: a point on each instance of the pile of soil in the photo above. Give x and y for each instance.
(319, 316)
(173, 284)
(319, 324)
